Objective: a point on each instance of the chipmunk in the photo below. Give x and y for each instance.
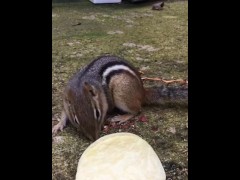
(106, 83)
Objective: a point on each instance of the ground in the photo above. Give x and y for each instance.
(154, 41)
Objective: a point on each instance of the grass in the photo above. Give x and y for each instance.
(156, 41)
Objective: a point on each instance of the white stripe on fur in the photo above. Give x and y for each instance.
(115, 68)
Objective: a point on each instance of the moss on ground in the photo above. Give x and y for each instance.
(154, 41)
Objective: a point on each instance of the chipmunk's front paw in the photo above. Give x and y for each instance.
(58, 127)
(116, 119)
(121, 118)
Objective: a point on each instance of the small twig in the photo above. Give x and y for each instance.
(166, 81)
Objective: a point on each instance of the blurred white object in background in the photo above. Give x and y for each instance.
(105, 1)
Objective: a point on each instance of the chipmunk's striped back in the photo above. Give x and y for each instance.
(105, 67)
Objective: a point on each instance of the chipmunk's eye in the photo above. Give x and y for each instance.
(97, 114)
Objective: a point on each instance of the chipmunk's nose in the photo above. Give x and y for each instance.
(97, 135)
(93, 131)
(94, 135)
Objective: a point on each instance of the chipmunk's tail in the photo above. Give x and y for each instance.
(166, 94)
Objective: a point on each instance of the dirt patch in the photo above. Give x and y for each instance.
(115, 32)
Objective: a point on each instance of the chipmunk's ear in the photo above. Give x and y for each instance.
(90, 89)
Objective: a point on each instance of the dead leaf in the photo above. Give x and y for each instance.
(142, 119)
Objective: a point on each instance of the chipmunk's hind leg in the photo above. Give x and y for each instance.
(128, 97)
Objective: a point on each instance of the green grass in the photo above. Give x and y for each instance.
(154, 40)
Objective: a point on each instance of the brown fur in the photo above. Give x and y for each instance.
(125, 96)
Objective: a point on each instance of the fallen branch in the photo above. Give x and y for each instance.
(181, 81)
